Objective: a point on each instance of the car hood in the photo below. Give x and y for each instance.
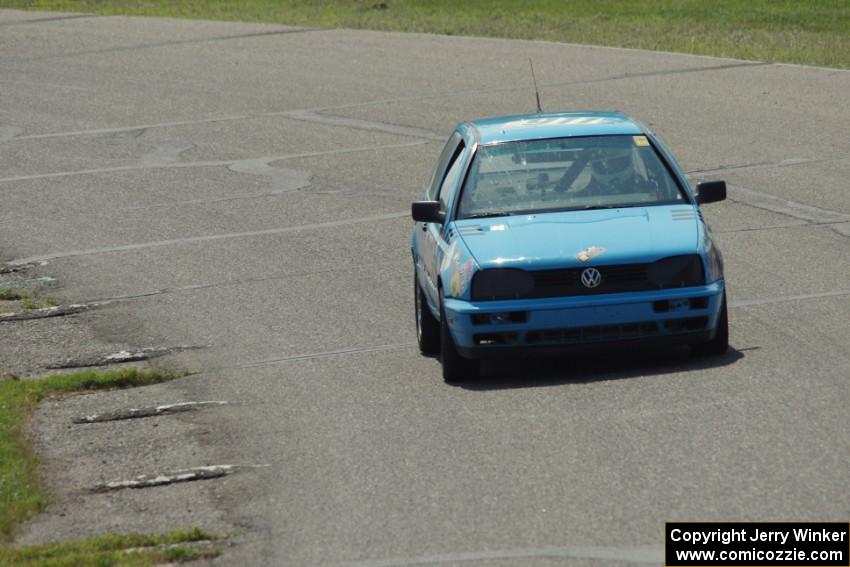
(554, 240)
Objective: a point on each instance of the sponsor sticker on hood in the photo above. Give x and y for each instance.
(589, 253)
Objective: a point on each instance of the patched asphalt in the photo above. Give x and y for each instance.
(244, 188)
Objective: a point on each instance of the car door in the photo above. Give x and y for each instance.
(423, 241)
(434, 246)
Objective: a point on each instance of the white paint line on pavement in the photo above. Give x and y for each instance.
(209, 238)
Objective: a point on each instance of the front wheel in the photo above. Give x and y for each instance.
(720, 343)
(427, 326)
(456, 368)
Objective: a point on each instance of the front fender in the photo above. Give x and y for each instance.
(711, 254)
(456, 271)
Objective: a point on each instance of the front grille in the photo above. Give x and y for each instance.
(585, 335)
(513, 283)
(567, 281)
(685, 325)
(591, 334)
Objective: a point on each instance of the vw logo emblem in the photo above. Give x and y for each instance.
(591, 278)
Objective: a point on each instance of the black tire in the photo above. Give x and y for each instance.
(720, 343)
(427, 326)
(456, 368)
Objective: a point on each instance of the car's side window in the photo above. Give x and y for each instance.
(451, 178)
(442, 164)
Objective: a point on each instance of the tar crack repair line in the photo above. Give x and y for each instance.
(183, 475)
(378, 102)
(45, 312)
(156, 45)
(347, 268)
(341, 352)
(153, 411)
(215, 163)
(641, 554)
(121, 357)
(802, 297)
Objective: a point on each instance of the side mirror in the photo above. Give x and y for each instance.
(427, 211)
(711, 192)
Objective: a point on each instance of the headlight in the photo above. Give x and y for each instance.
(715, 262)
(677, 271)
(501, 283)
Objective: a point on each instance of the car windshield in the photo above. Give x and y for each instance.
(594, 172)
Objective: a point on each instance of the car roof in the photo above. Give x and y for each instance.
(543, 125)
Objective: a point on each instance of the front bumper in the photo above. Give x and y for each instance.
(487, 329)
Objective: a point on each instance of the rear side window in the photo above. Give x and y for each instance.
(446, 156)
(451, 178)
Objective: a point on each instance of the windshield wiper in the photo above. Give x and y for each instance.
(488, 214)
(597, 207)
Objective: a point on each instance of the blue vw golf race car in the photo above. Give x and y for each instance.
(548, 232)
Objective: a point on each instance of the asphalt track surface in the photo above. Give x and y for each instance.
(246, 187)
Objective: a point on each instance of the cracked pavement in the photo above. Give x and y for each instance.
(246, 187)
